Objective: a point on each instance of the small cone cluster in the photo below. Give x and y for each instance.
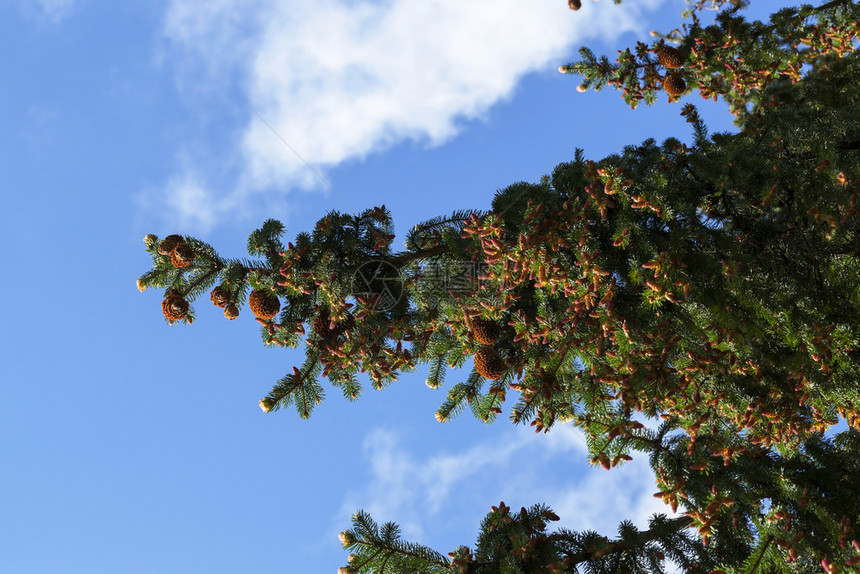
(489, 363)
(174, 307)
(169, 243)
(672, 59)
(181, 254)
(263, 304)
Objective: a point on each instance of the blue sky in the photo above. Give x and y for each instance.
(131, 446)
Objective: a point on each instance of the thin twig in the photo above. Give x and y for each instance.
(202, 279)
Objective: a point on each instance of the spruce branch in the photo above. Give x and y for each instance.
(403, 259)
(754, 566)
(202, 280)
(712, 285)
(618, 547)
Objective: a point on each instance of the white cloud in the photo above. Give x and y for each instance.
(421, 491)
(185, 200)
(604, 498)
(406, 487)
(340, 80)
(189, 200)
(596, 499)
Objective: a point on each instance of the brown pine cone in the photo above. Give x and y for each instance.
(674, 84)
(231, 311)
(182, 255)
(670, 57)
(489, 363)
(174, 307)
(219, 297)
(485, 331)
(321, 324)
(264, 304)
(169, 243)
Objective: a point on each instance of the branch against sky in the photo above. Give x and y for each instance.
(712, 287)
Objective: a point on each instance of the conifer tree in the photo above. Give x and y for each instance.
(714, 288)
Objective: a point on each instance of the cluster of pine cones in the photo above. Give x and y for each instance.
(220, 298)
(488, 362)
(264, 304)
(671, 58)
(174, 306)
(181, 254)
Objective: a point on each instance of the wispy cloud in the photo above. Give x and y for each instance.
(341, 80)
(185, 200)
(422, 490)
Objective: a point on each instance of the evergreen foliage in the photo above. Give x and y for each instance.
(713, 288)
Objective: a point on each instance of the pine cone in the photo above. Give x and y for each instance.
(486, 332)
(174, 307)
(670, 57)
(674, 84)
(489, 364)
(264, 304)
(182, 255)
(219, 297)
(169, 243)
(231, 311)
(321, 324)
